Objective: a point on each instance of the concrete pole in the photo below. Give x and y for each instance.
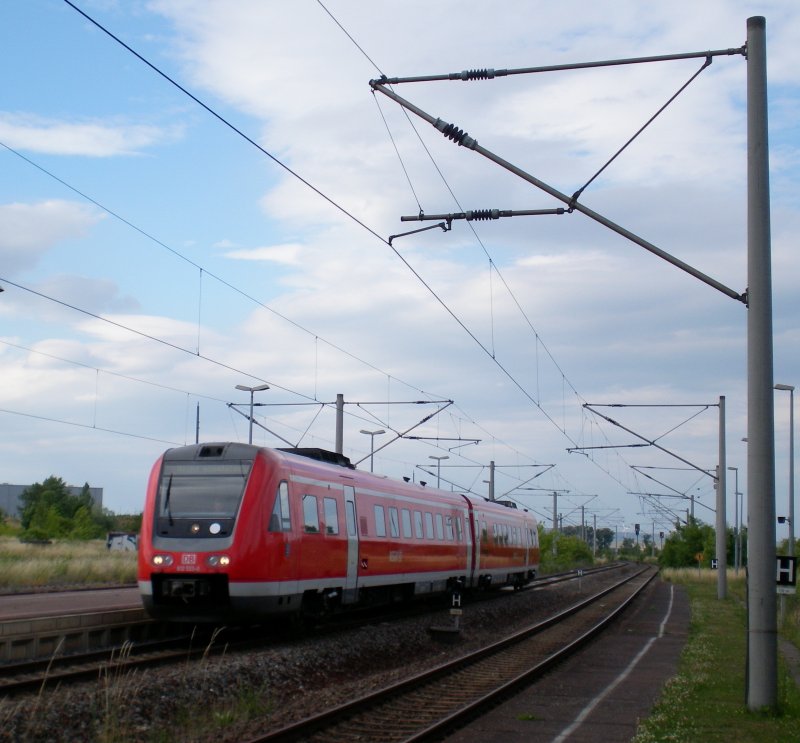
(491, 479)
(555, 521)
(791, 472)
(250, 435)
(736, 561)
(762, 644)
(722, 493)
(790, 389)
(340, 423)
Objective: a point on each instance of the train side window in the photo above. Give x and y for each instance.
(281, 518)
(448, 525)
(459, 529)
(380, 522)
(428, 525)
(418, 524)
(394, 522)
(484, 533)
(405, 515)
(439, 526)
(310, 513)
(331, 516)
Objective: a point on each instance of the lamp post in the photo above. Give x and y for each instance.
(438, 467)
(252, 391)
(790, 389)
(372, 435)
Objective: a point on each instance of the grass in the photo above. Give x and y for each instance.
(26, 566)
(705, 701)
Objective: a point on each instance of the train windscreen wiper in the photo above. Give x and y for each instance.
(167, 509)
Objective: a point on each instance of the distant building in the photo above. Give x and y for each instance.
(10, 502)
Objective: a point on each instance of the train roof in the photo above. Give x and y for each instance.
(321, 455)
(235, 450)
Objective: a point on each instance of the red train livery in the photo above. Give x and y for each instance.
(238, 532)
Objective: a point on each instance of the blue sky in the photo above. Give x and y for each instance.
(152, 258)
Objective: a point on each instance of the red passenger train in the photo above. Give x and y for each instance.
(238, 532)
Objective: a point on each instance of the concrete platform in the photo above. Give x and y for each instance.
(601, 693)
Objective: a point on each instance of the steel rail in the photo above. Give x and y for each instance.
(320, 724)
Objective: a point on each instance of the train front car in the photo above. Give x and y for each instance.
(233, 532)
(199, 502)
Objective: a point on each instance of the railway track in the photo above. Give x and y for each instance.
(426, 706)
(37, 675)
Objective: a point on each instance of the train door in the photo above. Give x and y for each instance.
(351, 584)
(472, 548)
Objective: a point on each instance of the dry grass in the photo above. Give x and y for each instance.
(62, 564)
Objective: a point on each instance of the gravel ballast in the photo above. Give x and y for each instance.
(232, 697)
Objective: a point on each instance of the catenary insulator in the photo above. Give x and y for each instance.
(451, 131)
(484, 74)
(480, 215)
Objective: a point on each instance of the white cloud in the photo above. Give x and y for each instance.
(28, 231)
(87, 138)
(288, 254)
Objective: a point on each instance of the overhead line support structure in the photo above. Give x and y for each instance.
(490, 74)
(463, 139)
(762, 674)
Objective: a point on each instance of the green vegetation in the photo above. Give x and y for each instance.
(573, 551)
(50, 511)
(705, 700)
(695, 542)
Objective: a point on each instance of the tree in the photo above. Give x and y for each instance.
(682, 547)
(50, 511)
(605, 539)
(84, 526)
(571, 551)
(40, 497)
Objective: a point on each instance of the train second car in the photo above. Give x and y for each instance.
(234, 532)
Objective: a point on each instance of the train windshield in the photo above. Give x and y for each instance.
(202, 489)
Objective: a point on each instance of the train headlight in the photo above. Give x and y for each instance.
(162, 560)
(218, 561)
